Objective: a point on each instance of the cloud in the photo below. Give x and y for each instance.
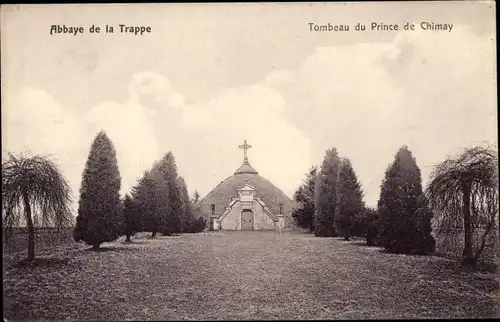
(432, 91)
(203, 136)
(155, 87)
(129, 126)
(35, 122)
(154, 120)
(279, 151)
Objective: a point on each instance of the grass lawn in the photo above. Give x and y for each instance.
(245, 275)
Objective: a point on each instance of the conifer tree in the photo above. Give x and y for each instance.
(168, 173)
(304, 196)
(147, 205)
(350, 205)
(325, 195)
(196, 197)
(371, 224)
(199, 222)
(99, 218)
(186, 212)
(160, 196)
(404, 213)
(129, 217)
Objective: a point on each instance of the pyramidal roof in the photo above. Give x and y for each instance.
(246, 168)
(246, 175)
(223, 193)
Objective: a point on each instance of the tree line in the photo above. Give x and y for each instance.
(462, 193)
(461, 198)
(158, 203)
(36, 194)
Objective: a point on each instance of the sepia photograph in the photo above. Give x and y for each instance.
(250, 161)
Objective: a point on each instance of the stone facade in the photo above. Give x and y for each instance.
(260, 216)
(241, 193)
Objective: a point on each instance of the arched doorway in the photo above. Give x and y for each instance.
(247, 220)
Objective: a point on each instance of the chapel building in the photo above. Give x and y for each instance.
(247, 201)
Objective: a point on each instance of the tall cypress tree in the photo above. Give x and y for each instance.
(326, 195)
(173, 210)
(99, 207)
(129, 217)
(148, 203)
(160, 196)
(404, 214)
(186, 213)
(304, 196)
(350, 205)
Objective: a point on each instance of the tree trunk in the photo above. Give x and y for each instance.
(347, 234)
(467, 256)
(154, 234)
(96, 246)
(31, 228)
(128, 238)
(483, 240)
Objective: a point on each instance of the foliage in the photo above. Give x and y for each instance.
(405, 216)
(350, 205)
(99, 207)
(195, 225)
(186, 209)
(167, 170)
(162, 202)
(371, 224)
(34, 192)
(325, 195)
(130, 217)
(463, 192)
(304, 196)
(196, 197)
(147, 204)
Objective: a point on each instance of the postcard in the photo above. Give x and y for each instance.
(250, 161)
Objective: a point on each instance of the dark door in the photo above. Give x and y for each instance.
(246, 220)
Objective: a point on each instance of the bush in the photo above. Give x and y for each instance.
(405, 216)
(371, 225)
(303, 215)
(196, 225)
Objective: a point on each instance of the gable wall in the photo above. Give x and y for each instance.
(232, 221)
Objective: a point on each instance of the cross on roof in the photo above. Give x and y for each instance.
(245, 147)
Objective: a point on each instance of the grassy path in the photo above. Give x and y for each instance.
(246, 275)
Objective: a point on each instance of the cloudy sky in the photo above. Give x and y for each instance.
(209, 76)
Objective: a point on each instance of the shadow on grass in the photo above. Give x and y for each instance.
(109, 249)
(484, 267)
(452, 264)
(136, 242)
(364, 244)
(158, 236)
(168, 236)
(41, 262)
